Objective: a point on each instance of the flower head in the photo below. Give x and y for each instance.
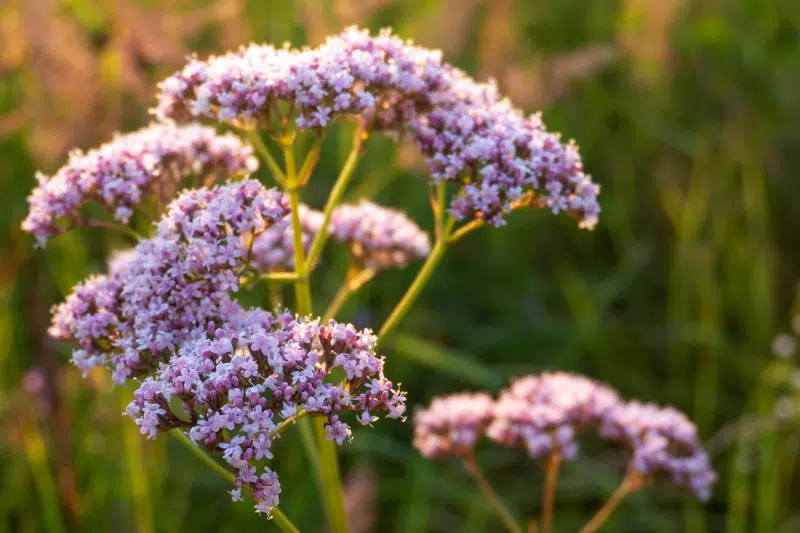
(452, 424)
(500, 158)
(379, 237)
(239, 393)
(176, 285)
(165, 315)
(121, 173)
(353, 73)
(543, 414)
(664, 443)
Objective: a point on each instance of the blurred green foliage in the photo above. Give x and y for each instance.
(687, 113)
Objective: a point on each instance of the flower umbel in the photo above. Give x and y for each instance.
(121, 173)
(452, 425)
(665, 446)
(177, 285)
(243, 382)
(469, 135)
(378, 237)
(544, 414)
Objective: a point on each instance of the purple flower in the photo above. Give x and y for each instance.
(468, 134)
(120, 173)
(175, 287)
(451, 425)
(353, 73)
(543, 414)
(165, 314)
(665, 445)
(229, 405)
(378, 237)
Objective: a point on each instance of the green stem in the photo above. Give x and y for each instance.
(301, 284)
(333, 200)
(206, 459)
(348, 288)
(280, 519)
(463, 230)
(417, 285)
(631, 482)
(329, 476)
(491, 496)
(291, 420)
(331, 479)
(551, 479)
(439, 207)
(312, 157)
(279, 277)
(263, 151)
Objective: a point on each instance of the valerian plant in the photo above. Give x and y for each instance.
(227, 380)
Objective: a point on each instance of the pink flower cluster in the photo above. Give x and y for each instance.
(665, 445)
(353, 73)
(452, 424)
(544, 414)
(233, 378)
(469, 135)
(121, 173)
(243, 383)
(177, 283)
(378, 237)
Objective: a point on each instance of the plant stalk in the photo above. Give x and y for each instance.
(335, 197)
(631, 482)
(329, 476)
(348, 288)
(416, 287)
(278, 518)
(263, 151)
(491, 496)
(551, 479)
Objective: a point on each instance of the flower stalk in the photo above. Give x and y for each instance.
(263, 151)
(348, 288)
(335, 196)
(416, 287)
(328, 463)
(548, 499)
(630, 483)
(280, 519)
(491, 496)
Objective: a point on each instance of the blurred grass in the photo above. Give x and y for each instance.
(690, 121)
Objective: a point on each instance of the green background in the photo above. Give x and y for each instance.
(688, 115)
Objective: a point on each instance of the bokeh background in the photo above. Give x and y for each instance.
(688, 114)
